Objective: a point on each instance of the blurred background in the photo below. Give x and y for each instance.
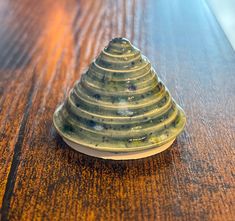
(225, 14)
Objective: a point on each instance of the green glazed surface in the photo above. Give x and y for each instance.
(119, 104)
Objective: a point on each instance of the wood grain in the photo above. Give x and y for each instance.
(45, 46)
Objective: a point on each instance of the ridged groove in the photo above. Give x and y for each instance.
(119, 104)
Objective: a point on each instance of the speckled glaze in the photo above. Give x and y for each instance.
(119, 104)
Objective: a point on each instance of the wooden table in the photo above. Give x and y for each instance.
(45, 46)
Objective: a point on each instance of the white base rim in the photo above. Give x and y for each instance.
(118, 156)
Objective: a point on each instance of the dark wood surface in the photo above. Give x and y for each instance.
(44, 47)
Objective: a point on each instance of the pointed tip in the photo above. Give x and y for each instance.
(120, 46)
(120, 40)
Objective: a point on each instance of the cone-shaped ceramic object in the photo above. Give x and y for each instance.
(119, 109)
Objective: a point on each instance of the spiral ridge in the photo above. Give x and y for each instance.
(119, 104)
